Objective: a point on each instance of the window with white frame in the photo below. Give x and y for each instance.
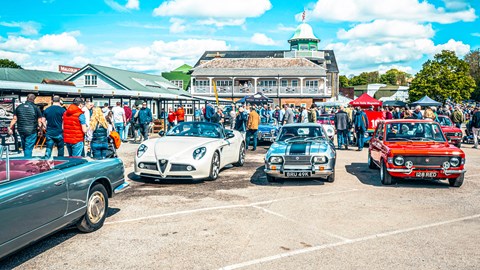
(284, 83)
(311, 83)
(90, 80)
(178, 83)
(294, 83)
(267, 83)
(202, 83)
(224, 83)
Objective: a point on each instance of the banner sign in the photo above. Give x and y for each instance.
(374, 117)
(7, 108)
(67, 69)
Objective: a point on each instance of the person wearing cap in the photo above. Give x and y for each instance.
(53, 116)
(145, 118)
(128, 118)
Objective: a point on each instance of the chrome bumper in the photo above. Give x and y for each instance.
(314, 174)
(409, 171)
(121, 187)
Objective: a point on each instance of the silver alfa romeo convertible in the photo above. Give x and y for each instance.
(301, 151)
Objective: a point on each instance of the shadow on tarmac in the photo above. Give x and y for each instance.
(259, 178)
(371, 177)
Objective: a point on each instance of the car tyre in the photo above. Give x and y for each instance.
(97, 206)
(456, 182)
(215, 167)
(331, 177)
(371, 164)
(385, 177)
(241, 156)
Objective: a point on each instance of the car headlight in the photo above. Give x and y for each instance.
(458, 134)
(320, 159)
(199, 153)
(141, 150)
(272, 131)
(366, 135)
(399, 161)
(454, 161)
(276, 160)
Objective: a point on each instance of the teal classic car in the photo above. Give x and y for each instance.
(39, 197)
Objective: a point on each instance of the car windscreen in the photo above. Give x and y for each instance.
(445, 121)
(298, 132)
(414, 132)
(196, 129)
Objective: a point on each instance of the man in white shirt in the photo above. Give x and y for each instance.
(86, 112)
(119, 119)
(304, 115)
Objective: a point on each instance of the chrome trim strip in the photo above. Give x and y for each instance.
(121, 188)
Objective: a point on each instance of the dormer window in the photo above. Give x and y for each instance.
(90, 80)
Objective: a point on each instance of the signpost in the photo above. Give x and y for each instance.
(7, 108)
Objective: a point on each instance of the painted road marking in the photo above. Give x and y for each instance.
(192, 211)
(342, 243)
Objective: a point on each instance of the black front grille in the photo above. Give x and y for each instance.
(298, 160)
(150, 166)
(163, 164)
(180, 168)
(427, 161)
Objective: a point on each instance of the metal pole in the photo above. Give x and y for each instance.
(7, 164)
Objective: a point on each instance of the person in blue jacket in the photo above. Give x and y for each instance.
(145, 117)
(209, 112)
(361, 126)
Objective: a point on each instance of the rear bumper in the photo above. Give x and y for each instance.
(121, 187)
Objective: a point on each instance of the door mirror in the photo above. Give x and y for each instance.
(230, 135)
(161, 133)
(380, 138)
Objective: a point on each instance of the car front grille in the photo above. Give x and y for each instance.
(427, 161)
(180, 168)
(298, 160)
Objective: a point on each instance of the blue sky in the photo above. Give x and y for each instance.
(154, 36)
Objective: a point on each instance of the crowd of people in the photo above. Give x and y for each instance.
(80, 127)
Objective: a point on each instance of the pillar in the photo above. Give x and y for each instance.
(255, 84)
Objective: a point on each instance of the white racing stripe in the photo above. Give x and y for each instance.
(341, 243)
(192, 211)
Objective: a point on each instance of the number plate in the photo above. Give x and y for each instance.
(426, 174)
(298, 174)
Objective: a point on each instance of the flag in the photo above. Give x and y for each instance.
(303, 16)
(215, 91)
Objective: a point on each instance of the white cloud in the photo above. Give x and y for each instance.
(283, 28)
(368, 10)
(19, 58)
(262, 39)
(476, 34)
(140, 25)
(177, 25)
(386, 30)
(26, 28)
(458, 47)
(164, 56)
(213, 8)
(131, 4)
(59, 43)
(221, 22)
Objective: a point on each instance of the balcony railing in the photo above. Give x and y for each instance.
(244, 90)
(201, 89)
(305, 54)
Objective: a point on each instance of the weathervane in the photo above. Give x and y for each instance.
(303, 16)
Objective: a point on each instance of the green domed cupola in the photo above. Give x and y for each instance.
(303, 39)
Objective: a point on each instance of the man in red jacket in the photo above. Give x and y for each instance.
(74, 127)
(171, 118)
(180, 114)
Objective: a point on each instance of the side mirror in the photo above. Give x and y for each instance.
(230, 135)
(380, 138)
(161, 133)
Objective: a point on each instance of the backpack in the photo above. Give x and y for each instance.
(116, 139)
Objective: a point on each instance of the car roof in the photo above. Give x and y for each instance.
(407, 121)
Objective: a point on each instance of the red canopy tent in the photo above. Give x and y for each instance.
(365, 101)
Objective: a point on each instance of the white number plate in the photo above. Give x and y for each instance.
(298, 174)
(426, 174)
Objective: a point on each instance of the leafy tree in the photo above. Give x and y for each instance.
(343, 80)
(365, 78)
(5, 63)
(446, 76)
(395, 77)
(473, 60)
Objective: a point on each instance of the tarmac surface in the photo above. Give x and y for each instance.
(241, 221)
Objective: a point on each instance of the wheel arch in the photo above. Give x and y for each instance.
(104, 181)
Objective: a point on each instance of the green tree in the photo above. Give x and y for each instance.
(365, 78)
(5, 63)
(343, 80)
(395, 77)
(473, 61)
(446, 76)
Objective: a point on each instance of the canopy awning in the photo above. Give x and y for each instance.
(258, 98)
(365, 101)
(425, 102)
(394, 103)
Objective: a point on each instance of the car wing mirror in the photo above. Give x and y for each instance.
(380, 138)
(230, 135)
(161, 133)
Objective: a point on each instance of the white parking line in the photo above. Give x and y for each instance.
(185, 212)
(341, 243)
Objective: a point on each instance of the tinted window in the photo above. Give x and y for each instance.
(414, 132)
(300, 133)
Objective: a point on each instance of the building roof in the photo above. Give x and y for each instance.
(183, 68)
(27, 75)
(209, 55)
(259, 67)
(131, 80)
(304, 32)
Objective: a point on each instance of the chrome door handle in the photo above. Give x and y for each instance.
(59, 183)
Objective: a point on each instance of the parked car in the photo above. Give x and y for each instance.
(190, 150)
(415, 149)
(39, 197)
(301, 151)
(328, 123)
(454, 135)
(268, 129)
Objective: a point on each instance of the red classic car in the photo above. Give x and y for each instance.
(415, 149)
(453, 134)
